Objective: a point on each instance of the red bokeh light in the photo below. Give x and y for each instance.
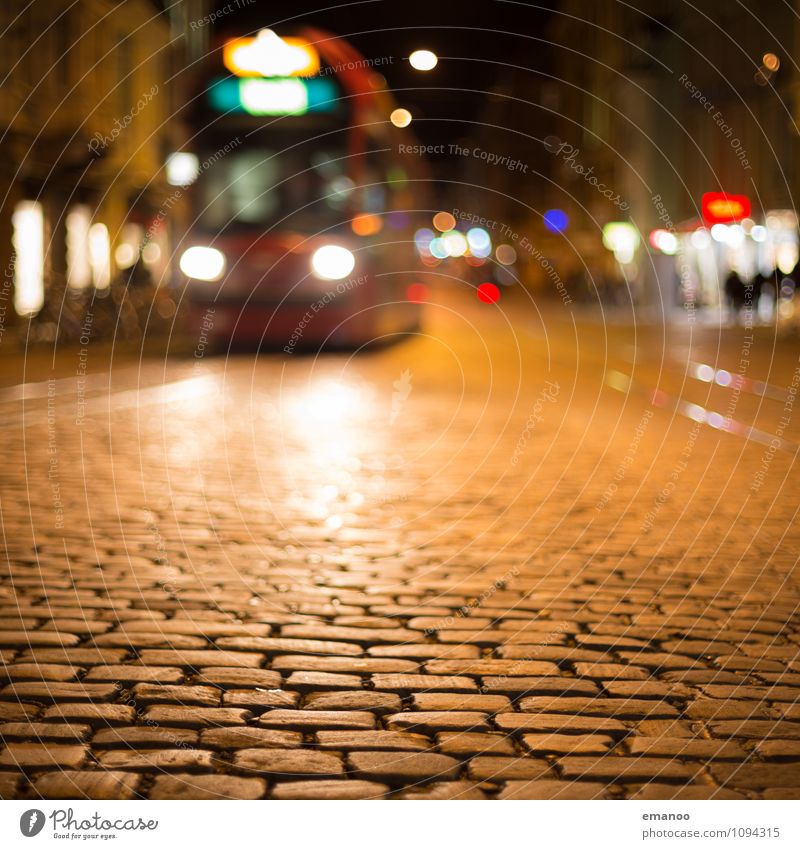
(722, 208)
(417, 293)
(488, 293)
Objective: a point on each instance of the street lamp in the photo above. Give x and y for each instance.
(400, 117)
(423, 60)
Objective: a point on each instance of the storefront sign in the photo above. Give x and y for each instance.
(722, 208)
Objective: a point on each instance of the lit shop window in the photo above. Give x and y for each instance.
(28, 241)
(79, 270)
(127, 251)
(100, 255)
(622, 238)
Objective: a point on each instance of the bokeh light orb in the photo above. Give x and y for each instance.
(417, 293)
(422, 239)
(400, 117)
(444, 221)
(479, 240)
(455, 243)
(488, 293)
(506, 255)
(423, 60)
(556, 220)
(438, 249)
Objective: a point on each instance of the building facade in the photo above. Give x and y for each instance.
(86, 121)
(658, 106)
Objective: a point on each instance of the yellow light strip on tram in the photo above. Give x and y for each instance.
(269, 55)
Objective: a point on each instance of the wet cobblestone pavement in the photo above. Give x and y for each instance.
(466, 566)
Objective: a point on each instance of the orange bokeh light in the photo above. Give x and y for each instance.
(417, 293)
(444, 222)
(269, 55)
(366, 224)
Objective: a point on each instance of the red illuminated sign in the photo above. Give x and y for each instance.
(722, 208)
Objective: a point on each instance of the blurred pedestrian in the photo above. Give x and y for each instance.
(770, 285)
(734, 295)
(758, 283)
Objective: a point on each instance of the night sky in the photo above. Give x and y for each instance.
(474, 41)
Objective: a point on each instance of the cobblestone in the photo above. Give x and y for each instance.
(260, 700)
(619, 708)
(156, 759)
(69, 784)
(43, 731)
(140, 737)
(285, 630)
(27, 755)
(558, 723)
(554, 790)
(287, 763)
(438, 720)
(207, 787)
(756, 776)
(249, 738)
(433, 683)
(626, 770)
(713, 709)
(131, 674)
(686, 749)
(490, 768)
(78, 712)
(779, 750)
(403, 767)
(196, 659)
(443, 790)
(567, 744)
(193, 717)
(358, 700)
(460, 702)
(312, 720)
(655, 791)
(8, 785)
(13, 712)
(756, 729)
(58, 692)
(366, 740)
(555, 686)
(354, 665)
(235, 677)
(305, 681)
(459, 743)
(322, 789)
(38, 672)
(155, 694)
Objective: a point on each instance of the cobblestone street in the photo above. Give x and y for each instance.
(485, 562)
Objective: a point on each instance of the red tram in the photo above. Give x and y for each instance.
(304, 205)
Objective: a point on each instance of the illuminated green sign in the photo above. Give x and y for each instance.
(274, 96)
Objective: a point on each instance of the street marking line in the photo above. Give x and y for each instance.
(706, 373)
(167, 393)
(40, 389)
(623, 383)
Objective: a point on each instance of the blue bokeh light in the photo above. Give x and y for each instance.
(556, 220)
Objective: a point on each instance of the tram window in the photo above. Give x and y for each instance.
(261, 186)
(239, 189)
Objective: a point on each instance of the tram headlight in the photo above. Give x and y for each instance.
(332, 262)
(202, 263)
